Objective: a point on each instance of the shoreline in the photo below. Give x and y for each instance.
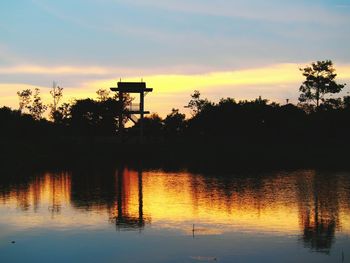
(182, 154)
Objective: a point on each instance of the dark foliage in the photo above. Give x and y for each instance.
(257, 119)
(23, 126)
(90, 117)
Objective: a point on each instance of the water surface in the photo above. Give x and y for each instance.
(126, 215)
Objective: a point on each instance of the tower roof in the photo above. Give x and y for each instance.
(132, 87)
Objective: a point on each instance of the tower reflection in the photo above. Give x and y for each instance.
(128, 183)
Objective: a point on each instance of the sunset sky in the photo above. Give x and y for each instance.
(237, 48)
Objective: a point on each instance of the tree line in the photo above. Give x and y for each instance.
(318, 114)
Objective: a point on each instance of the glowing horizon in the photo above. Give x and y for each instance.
(239, 84)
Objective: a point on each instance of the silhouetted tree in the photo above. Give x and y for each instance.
(90, 117)
(196, 104)
(346, 102)
(9, 119)
(24, 97)
(102, 94)
(56, 93)
(307, 108)
(320, 81)
(63, 114)
(332, 104)
(174, 123)
(152, 126)
(37, 108)
(15, 124)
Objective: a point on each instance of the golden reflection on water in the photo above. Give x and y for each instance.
(48, 190)
(303, 203)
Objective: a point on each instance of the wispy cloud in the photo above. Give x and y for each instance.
(274, 11)
(91, 71)
(66, 70)
(114, 28)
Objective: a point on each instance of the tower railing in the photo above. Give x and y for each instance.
(133, 107)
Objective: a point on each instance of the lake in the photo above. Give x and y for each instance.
(132, 215)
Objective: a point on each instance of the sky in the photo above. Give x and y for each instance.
(238, 48)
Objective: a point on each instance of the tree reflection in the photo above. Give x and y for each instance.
(34, 191)
(319, 211)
